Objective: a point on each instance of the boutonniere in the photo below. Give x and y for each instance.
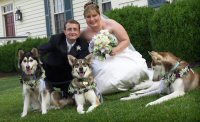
(78, 48)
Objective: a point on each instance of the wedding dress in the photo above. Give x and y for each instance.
(120, 72)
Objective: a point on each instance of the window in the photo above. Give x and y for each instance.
(59, 15)
(155, 3)
(8, 8)
(95, 1)
(106, 5)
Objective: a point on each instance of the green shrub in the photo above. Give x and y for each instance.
(136, 22)
(176, 28)
(8, 53)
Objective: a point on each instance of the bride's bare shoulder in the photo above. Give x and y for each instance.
(109, 24)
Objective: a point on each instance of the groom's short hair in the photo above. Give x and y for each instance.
(73, 22)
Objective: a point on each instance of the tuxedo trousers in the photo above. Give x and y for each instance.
(58, 77)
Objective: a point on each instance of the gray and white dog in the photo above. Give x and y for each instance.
(83, 85)
(35, 90)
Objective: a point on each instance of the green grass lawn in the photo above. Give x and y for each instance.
(183, 109)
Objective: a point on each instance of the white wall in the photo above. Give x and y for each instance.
(123, 3)
(78, 11)
(34, 21)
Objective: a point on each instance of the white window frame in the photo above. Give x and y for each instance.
(9, 8)
(58, 6)
(58, 9)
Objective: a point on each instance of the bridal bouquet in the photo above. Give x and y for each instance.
(102, 44)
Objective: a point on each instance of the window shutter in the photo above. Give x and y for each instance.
(48, 17)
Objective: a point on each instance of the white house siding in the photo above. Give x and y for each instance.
(123, 3)
(34, 23)
(78, 11)
(78, 7)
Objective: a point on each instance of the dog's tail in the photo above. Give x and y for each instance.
(60, 102)
(65, 102)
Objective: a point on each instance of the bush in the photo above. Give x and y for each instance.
(176, 28)
(136, 22)
(8, 53)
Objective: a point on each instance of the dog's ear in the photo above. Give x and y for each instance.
(35, 52)
(159, 57)
(151, 53)
(20, 54)
(71, 59)
(155, 55)
(89, 58)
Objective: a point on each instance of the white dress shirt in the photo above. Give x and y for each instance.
(69, 45)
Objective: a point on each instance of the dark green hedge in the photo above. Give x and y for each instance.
(136, 22)
(173, 27)
(176, 28)
(8, 53)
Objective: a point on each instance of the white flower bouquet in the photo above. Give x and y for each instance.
(102, 44)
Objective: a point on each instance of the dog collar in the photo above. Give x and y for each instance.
(79, 86)
(35, 77)
(174, 74)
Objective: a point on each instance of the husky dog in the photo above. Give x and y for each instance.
(83, 85)
(35, 90)
(174, 75)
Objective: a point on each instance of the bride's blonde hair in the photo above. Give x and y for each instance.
(90, 7)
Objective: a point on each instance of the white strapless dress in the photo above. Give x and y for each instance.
(120, 72)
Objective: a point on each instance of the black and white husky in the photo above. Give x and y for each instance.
(35, 90)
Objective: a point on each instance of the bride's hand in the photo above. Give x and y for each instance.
(114, 51)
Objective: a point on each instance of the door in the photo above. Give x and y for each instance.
(10, 25)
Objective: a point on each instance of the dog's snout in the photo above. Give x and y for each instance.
(81, 69)
(27, 67)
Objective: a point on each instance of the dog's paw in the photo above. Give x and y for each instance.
(139, 92)
(53, 107)
(44, 112)
(91, 108)
(131, 97)
(150, 104)
(81, 112)
(23, 114)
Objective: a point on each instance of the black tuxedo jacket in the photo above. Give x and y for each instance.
(57, 66)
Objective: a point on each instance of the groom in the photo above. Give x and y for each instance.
(56, 65)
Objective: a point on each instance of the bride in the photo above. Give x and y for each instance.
(125, 67)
